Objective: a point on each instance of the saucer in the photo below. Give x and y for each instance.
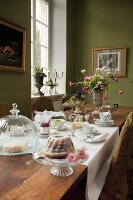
(101, 121)
(98, 122)
(62, 128)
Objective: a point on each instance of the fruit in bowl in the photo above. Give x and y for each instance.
(57, 123)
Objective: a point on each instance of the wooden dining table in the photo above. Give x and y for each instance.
(22, 178)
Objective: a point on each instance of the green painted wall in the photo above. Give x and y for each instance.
(15, 86)
(99, 24)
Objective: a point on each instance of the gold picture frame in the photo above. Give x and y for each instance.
(12, 47)
(114, 58)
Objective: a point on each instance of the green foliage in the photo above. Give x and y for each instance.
(50, 83)
(38, 69)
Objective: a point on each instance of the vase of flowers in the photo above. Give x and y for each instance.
(97, 85)
(98, 99)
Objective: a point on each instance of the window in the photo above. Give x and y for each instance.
(39, 36)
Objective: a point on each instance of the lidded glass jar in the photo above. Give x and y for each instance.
(17, 134)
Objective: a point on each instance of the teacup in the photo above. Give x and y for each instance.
(87, 128)
(57, 123)
(105, 116)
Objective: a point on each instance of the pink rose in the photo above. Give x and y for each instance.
(72, 157)
(71, 83)
(81, 154)
(102, 87)
(105, 98)
(85, 89)
(121, 92)
(90, 93)
(115, 79)
(83, 71)
(87, 78)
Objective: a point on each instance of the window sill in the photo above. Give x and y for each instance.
(55, 97)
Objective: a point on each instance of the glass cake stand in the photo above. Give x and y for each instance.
(60, 167)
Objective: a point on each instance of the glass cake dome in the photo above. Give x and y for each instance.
(17, 134)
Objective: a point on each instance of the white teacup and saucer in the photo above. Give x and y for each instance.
(57, 124)
(105, 116)
(89, 128)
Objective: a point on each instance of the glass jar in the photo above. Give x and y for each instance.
(44, 129)
(17, 134)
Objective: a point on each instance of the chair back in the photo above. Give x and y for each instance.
(65, 98)
(4, 109)
(119, 180)
(41, 104)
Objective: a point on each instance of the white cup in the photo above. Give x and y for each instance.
(57, 123)
(87, 128)
(105, 116)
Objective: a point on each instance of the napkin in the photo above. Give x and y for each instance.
(93, 137)
(97, 138)
(46, 115)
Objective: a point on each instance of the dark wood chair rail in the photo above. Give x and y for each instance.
(21, 178)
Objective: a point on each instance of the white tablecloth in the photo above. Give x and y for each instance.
(98, 152)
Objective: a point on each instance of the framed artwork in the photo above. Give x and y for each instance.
(113, 58)
(12, 47)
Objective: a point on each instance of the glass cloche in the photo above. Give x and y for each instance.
(17, 134)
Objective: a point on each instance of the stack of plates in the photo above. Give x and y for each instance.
(98, 122)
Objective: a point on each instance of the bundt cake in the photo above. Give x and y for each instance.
(59, 147)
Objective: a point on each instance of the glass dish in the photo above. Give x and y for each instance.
(17, 134)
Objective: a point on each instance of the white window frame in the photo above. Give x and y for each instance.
(33, 54)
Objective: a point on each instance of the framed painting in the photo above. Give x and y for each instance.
(12, 47)
(113, 58)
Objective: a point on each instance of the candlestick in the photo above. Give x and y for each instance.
(55, 77)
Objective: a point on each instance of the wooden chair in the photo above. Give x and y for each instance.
(4, 109)
(42, 104)
(65, 98)
(119, 180)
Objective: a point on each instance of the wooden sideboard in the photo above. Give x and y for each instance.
(21, 178)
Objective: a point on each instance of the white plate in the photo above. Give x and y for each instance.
(96, 139)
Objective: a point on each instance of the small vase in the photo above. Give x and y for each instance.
(98, 100)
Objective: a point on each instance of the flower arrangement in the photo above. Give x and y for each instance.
(76, 99)
(101, 81)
